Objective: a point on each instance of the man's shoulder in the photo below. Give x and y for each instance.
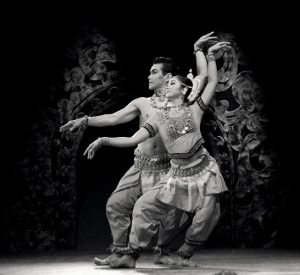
(143, 98)
(140, 100)
(143, 104)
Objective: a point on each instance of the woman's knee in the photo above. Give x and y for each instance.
(217, 213)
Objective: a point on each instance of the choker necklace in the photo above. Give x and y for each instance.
(158, 102)
(172, 105)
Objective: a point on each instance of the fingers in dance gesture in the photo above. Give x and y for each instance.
(94, 146)
(216, 47)
(202, 41)
(201, 65)
(73, 124)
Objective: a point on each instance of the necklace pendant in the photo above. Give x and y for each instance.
(158, 102)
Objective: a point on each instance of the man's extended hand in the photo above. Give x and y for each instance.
(72, 125)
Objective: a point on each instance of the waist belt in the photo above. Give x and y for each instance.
(192, 170)
(153, 163)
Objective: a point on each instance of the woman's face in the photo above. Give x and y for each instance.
(174, 89)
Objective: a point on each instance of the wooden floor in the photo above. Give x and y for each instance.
(211, 261)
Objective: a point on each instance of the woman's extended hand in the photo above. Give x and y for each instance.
(92, 148)
(203, 40)
(216, 47)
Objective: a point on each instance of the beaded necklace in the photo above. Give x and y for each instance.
(176, 126)
(158, 102)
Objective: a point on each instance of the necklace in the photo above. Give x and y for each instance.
(158, 102)
(172, 105)
(176, 126)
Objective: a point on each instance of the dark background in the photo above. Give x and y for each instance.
(37, 37)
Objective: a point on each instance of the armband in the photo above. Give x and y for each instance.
(150, 129)
(201, 104)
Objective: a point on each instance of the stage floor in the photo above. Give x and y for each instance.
(211, 261)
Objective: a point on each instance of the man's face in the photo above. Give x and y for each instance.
(156, 77)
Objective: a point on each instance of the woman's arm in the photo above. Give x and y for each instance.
(140, 136)
(212, 73)
(201, 64)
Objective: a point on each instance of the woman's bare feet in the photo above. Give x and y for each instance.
(186, 262)
(163, 259)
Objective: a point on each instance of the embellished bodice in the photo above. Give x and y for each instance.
(179, 132)
(175, 127)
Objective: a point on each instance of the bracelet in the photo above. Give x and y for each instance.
(85, 124)
(103, 141)
(210, 57)
(199, 49)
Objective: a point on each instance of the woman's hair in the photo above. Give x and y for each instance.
(185, 83)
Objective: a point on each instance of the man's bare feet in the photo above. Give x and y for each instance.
(99, 261)
(107, 260)
(126, 261)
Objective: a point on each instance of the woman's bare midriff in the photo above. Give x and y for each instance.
(152, 147)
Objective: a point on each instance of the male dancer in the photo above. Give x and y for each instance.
(151, 161)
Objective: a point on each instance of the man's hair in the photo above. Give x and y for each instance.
(168, 65)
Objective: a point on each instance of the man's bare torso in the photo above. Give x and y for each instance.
(151, 146)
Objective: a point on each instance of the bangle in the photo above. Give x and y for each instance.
(210, 57)
(199, 49)
(85, 124)
(103, 141)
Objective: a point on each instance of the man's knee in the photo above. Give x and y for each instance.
(121, 202)
(109, 207)
(114, 204)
